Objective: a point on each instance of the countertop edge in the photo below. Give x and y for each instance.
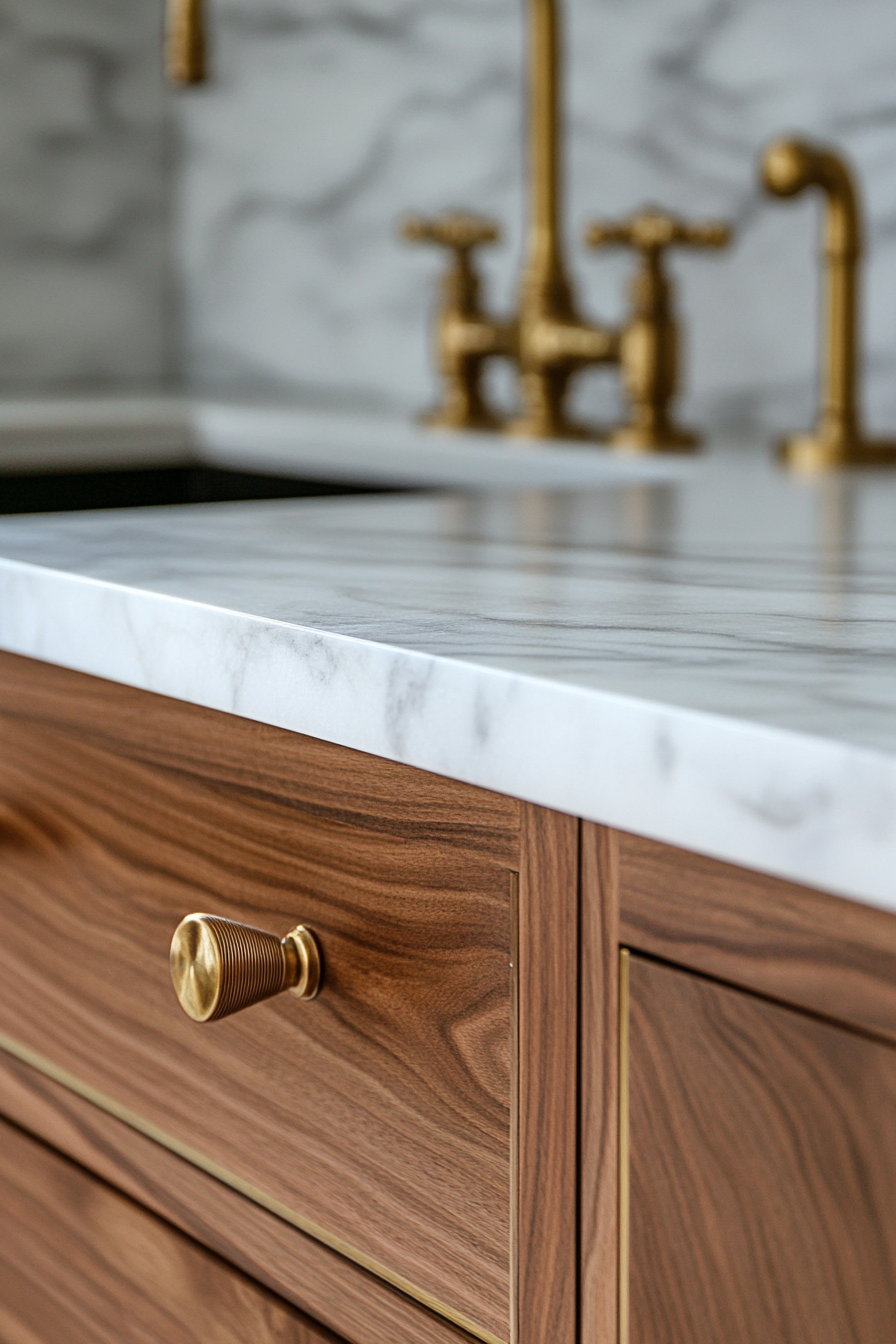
(794, 806)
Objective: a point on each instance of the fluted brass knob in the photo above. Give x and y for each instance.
(219, 967)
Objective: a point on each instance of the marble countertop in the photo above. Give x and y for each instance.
(703, 652)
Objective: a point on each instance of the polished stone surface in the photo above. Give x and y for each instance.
(707, 659)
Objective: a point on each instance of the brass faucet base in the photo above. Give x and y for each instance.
(529, 427)
(459, 421)
(810, 452)
(633, 439)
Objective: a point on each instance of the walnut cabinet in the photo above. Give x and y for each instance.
(560, 1084)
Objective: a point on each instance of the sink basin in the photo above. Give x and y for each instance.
(126, 452)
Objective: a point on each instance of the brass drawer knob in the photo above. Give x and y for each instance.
(219, 966)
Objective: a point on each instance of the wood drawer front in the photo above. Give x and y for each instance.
(83, 1264)
(762, 1170)
(378, 1116)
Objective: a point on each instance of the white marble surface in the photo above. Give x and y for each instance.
(707, 660)
(326, 121)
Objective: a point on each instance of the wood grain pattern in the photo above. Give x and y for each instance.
(598, 1085)
(323, 1284)
(545, 1288)
(832, 956)
(379, 1113)
(763, 1170)
(83, 1264)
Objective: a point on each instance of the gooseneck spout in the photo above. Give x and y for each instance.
(185, 43)
(545, 278)
(553, 340)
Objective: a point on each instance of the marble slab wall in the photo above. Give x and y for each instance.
(86, 281)
(327, 119)
(243, 236)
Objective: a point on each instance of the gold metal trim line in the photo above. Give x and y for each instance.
(623, 1177)
(514, 1105)
(151, 1131)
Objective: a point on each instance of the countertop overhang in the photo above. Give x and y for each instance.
(702, 654)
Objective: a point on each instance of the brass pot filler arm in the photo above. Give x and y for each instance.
(548, 340)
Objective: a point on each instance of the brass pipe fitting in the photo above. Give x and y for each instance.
(649, 347)
(185, 42)
(788, 168)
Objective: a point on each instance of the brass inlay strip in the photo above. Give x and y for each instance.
(623, 1177)
(514, 1104)
(243, 1187)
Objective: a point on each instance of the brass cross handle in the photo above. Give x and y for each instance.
(652, 231)
(219, 967)
(185, 41)
(649, 348)
(458, 232)
(466, 336)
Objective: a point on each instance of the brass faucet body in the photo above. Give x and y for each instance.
(788, 168)
(185, 44)
(553, 341)
(548, 339)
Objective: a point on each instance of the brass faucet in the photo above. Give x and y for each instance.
(185, 46)
(788, 168)
(548, 339)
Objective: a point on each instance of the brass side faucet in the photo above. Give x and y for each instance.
(185, 45)
(788, 168)
(548, 339)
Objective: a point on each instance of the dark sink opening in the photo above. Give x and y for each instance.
(132, 488)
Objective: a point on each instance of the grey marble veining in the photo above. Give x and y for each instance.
(708, 660)
(86, 275)
(327, 121)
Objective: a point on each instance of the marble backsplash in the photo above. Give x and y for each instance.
(329, 118)
(245, 235)
(86, 292)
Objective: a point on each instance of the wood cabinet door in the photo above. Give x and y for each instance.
(419, 1117)
(82, 1264)
(377, 1118)
(761, 1193)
